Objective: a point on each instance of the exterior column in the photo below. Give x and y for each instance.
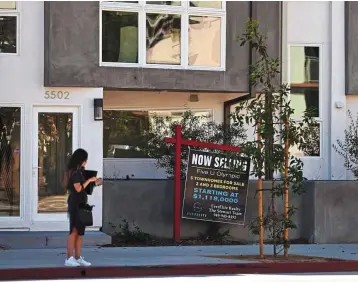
(338, 110)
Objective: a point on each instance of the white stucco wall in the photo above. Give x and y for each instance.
(155, 100)
(21, 84)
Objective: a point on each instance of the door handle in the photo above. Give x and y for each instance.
(37, 167)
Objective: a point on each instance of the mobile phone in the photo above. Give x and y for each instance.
(99, 181)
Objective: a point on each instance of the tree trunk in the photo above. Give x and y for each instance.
(274, 221)
(269, 140)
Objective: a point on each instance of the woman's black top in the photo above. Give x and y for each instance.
(75, 199)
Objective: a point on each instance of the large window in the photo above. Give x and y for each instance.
(123, 130)
(8, 27)
(305, 91)
(163, 34)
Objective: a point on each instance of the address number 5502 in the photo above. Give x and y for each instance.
(61, 95)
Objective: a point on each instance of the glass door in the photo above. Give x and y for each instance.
(56, 137)
(10, 142)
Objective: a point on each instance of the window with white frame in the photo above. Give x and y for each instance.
(163, 34)
(123, 130)
(304, 78)
(9, 14)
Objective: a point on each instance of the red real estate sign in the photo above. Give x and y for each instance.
(216, 187)
(178, 141)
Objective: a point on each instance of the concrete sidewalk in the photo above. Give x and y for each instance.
(45, 264)
(155, 256)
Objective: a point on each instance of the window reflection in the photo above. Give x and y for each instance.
(304, 94)
(206, 4)
(163, 39)
(8, 26)
(312, 138)
(119, 37)
(7, 5)
(304, 79)
(121, 1)
(124, 131)
(10, 142)
(204, 31)
(54, 151)
(172, 3)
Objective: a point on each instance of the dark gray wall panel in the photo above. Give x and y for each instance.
(268, 15)
(327, 212)
(72, 52)
(351, 41)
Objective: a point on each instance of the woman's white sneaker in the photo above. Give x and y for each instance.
(82, 262)
(72, 262)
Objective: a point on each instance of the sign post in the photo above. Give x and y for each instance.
(259, 198)
(178, 141)
(176, 225)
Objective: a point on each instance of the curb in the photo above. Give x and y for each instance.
(174, 270)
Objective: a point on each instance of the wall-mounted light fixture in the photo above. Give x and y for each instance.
(98, 109)
(194, 98)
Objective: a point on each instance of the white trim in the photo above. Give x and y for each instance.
(13, 13)
(142, 54)
(184, 40)
(46, 218)
(158, 66)
(337, 118)
(169, 109)
(223, 40)
(100, 36)
(18, 221)
(320, 85)
(184, 11)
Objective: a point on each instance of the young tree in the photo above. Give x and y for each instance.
(194, 127)
(269, 113)
(348, 148)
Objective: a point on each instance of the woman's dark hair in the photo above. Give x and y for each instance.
(78, 157)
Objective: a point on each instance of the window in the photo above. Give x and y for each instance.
(305, 90)
(10, 144)
(8, 27)
(55, 137)
(163, 34)
(123, 130)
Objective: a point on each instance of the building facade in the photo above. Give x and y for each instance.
(142, 57)
(40, 126)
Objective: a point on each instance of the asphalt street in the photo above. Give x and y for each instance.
(341, 277)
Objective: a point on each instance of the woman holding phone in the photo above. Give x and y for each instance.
(76, 185)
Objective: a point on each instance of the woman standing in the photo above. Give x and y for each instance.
(76, 187)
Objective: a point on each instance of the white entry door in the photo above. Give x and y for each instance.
(56, 136)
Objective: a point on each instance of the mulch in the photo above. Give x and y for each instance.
(118, 242)
(279, 258)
